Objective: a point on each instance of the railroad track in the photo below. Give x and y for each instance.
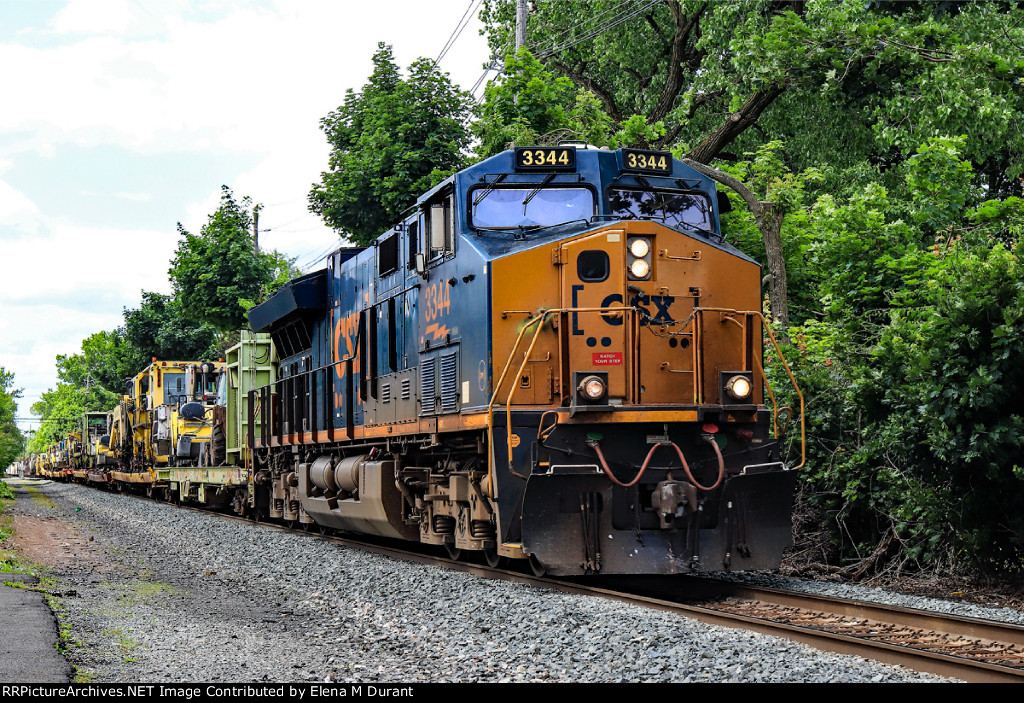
(971, 649)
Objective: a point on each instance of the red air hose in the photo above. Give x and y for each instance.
(647, 461)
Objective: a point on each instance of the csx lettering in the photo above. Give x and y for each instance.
(346, 330)
(638, 301)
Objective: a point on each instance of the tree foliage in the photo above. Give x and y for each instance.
(12, 442)
(839, 83)
(390, 142)
(161, 328)
(214, 271)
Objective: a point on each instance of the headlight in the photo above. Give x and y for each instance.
(592, 387)
(739, 387)
(639, 248)
(639, 268)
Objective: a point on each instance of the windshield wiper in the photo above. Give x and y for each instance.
(519, 231)
(538, 228)
(528, 198)
(487, 191)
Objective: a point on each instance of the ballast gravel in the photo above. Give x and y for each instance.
(180, 596)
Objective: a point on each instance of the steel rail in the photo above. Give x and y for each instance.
(667, 594)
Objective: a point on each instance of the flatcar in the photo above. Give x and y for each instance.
(556, 356)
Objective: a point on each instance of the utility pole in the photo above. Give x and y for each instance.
(521, 10)
(256, 230)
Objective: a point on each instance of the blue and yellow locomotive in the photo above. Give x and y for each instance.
(556, 356)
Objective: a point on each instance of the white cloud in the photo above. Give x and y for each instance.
(19, 216)
(244, 81)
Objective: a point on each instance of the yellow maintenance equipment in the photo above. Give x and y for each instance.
(164, 419)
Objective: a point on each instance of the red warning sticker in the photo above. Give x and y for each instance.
(607, 358)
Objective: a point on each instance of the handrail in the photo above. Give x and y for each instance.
(785, 365)
(540, 317)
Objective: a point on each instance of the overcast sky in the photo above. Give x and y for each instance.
(120, 118)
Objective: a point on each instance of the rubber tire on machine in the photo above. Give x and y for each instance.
(218, 445)
(493, 559)
(454, 553)
(538, 569)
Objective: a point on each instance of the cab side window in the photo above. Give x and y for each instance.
(440, 221)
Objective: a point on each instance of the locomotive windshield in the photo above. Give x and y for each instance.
(671, 207)
(506, 208)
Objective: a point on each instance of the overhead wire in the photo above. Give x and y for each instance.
(614, 16)
(553, 40)
(457, 32)
(615, 21)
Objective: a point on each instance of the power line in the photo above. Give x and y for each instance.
(457, 32)
(615, 21)
(554, 39)
(619, 13)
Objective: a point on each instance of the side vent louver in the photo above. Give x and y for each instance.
(406, 388)
(385, 393)
(449, 383)
(428, 386)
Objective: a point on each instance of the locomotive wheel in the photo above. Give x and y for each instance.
(493, 559)
(538, 569)
(454, 553)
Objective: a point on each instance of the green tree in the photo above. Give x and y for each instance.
(529, 104)
(389, 143)
(106, 359)
(12, 442)
(839, 82)
(161, 328)
(60, 410)
(651, 59)
(212, 272)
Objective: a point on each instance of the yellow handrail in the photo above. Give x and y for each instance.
(782, 358)
(539, 319)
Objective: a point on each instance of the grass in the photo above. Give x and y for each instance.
(65, 639)
(125, 644)
(9, 562)
(139, 589)
(83, 676)
(38, 497)
(126, 593)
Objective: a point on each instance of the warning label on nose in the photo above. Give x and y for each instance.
(607, 358)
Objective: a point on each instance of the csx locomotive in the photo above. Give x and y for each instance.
(556, 356)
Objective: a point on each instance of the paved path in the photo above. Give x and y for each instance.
(28, 635)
